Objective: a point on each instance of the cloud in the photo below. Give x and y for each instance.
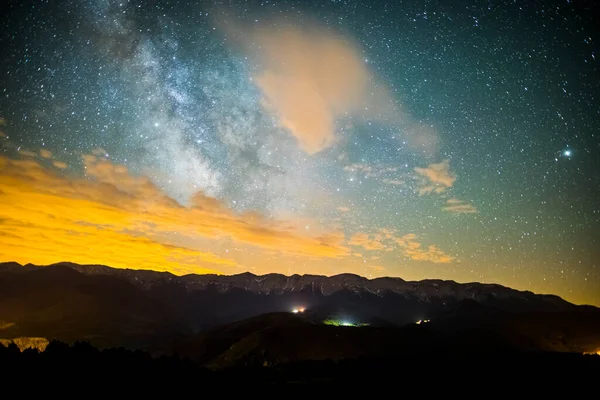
(113, 217)
(343, 209)
(409, 244)
(59, 164)
(435, 178)
(414, 250)
(27, 153)
(310, 78)
(47, 154)
(372, 171)
(395, 182)
(357, 167)
(2, 123)
(363, 240)
(459, 207)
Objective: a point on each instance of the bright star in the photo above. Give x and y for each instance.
(567, 153)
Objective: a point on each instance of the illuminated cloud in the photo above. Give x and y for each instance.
(385, 173)
(45, 154)
(409, 245)
(435, 178)
(370, 170)
(459, 207)
(110, 216)
(59, 164)
(395, 182)
(113, 217)
(414, 250)
(343, 209)
(363, 240)
(357, 167)
(310, 78)
(27, 153)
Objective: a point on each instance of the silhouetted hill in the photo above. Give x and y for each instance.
(148, 309)
(60, 302)
(72, 369)
(283, 338)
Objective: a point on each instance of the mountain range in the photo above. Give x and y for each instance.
(153, 310)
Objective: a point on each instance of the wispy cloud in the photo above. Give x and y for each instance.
(435, 178)
(2, 123)
(47, 154)
(59, 164)
(368, 243)
(409, 244)
(358, 167)
(370, 171)
(395, 182)
(27, 153)
(459, 207)
(414, 250)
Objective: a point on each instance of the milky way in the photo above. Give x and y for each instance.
(439, 139)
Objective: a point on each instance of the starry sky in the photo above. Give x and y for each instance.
(420, 139)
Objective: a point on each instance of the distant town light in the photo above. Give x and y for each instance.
(423, 321)
(298, 310)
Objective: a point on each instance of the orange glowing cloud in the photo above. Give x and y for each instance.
(310, 78)
(409, 245)
(59, 164)
(27, 153)
(112, 217)
(437, 178)
(363, 240)
(456, 206)
(414, 250)
(45, 154)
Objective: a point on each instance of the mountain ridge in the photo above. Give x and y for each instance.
(150, 309)
(275, 283)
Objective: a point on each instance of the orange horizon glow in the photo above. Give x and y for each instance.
(111, 217)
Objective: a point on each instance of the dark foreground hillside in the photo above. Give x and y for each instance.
(82, 368)
(151, 310)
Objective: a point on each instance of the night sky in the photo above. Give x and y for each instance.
(424, 139)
